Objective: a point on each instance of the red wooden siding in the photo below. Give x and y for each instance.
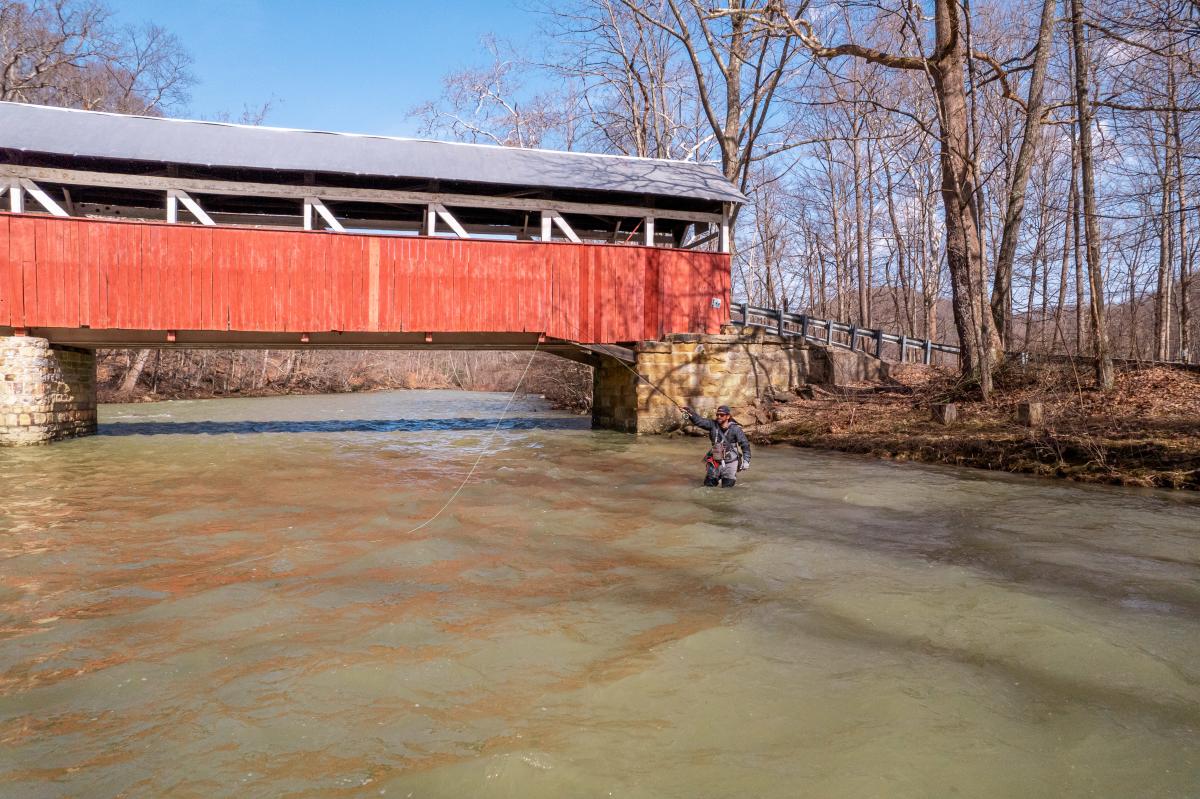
(148, 276)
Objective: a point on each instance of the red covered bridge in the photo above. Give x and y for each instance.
(128, 231)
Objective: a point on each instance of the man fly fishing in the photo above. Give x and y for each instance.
(730, 450)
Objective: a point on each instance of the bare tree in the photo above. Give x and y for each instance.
(490, 104)
(1105, 377)
(737, 64)
(68, 53)
(1015, 205)
(946, 70)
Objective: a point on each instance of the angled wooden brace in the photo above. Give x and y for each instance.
(553, 219)
(44, 199)
(695, 241)
(176, 196)
(315, 204)
(433, 212)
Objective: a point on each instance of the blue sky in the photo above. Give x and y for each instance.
(357, 65)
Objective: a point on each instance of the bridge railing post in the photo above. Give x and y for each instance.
(879, 343)
(744, 309)
(928, 352)
(828, 332)
(803, 327)
(903, 347)
(853, 337)
(779, 318)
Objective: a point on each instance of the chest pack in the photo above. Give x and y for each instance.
(720, 445)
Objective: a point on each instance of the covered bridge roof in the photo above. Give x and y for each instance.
(98, 135)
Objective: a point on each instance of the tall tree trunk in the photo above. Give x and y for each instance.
(133, 373)
(836, 224)
(1105, 378)
(1070, 237)
(930, 268)
(860, 243)
(1166, 235)
(201, 370)
(823, 289)
(1035, 262)
(901, 264)
(1015, 206)
(1044, 311)
(156, 371)
(1080, 292)
(1044, 221)
(870, 320)
(1135, 344)
(972, 317)
(1185, 253)
(1185, 278)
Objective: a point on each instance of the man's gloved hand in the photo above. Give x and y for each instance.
(743, 465)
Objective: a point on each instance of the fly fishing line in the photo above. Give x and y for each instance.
(304, 547)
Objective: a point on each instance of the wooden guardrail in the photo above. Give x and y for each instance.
(835, 334)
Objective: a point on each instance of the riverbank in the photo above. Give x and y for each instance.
(1146, 432)
(126, 377)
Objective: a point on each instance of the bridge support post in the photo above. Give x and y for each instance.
(740, 367)
(47, 393)
(614, 396)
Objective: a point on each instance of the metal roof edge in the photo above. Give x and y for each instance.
(741, 197)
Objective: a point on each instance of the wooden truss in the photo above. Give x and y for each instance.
(20, 180)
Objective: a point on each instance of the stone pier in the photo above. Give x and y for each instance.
(736, 368)
(47, 392)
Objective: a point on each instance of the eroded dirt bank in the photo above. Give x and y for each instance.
(1146, 432)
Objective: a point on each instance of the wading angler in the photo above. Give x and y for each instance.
(729, 452)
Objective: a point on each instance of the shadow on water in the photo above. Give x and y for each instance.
(213, 428)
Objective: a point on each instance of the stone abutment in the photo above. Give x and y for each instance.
(47, 392)
(737, 368)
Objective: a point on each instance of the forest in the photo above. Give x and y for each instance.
(1014, 177)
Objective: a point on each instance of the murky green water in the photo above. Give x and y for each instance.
(227, 598)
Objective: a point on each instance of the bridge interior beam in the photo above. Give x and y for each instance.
(315, 204)
(553, 219)
(357, 209)
(176, 196)
(438, 211)
(43, 199)
(16, 200)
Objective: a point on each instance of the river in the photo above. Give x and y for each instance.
(247, 598)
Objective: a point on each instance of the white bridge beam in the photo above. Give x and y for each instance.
(435, 211)
(553, 219)
(44, 199)
(16, 200)
(76, 177)
(314, 204)
(176, 196)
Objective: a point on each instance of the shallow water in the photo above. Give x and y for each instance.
(228, 598)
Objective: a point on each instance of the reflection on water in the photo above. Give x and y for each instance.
(228, 598)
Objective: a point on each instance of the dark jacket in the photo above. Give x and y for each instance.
(733, 436)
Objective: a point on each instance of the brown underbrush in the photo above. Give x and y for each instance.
(129, 376)
(1145, 432)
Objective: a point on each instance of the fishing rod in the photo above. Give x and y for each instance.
(652, 385)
